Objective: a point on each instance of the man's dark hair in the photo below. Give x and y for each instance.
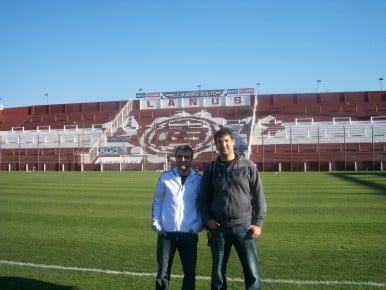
(222, 132)
(184, 148)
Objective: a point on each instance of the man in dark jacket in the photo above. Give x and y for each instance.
(232, 206)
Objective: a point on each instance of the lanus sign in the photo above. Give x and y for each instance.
(197, 99)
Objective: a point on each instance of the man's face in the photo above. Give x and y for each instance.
(183, 160)
(224, 145)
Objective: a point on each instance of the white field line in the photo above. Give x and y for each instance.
(127, 273)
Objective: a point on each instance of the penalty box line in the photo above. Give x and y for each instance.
(127, 273)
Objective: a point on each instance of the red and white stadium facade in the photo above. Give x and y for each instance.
(278, 132)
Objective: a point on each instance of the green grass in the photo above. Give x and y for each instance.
(320, 226)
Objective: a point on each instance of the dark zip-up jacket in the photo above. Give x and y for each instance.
(232, 195)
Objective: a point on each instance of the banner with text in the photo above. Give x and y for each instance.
(195, 93)
(115, 150)
(195, 102)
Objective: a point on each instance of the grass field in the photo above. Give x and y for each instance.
(91, 230)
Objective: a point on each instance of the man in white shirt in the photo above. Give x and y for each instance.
(176, 219)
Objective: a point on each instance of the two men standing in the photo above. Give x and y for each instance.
(228, 200)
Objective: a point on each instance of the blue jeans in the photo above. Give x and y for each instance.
(221, 241)
(186, 244)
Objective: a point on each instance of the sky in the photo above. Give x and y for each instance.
(70, 51)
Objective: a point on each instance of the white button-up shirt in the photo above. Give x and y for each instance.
(174, 206)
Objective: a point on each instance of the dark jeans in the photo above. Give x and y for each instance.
(186, 244)
(221, 241)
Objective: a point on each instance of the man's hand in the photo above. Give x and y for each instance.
(212, 224)
(158, 229)
(162, 233)
(254, 231)
(193, 232)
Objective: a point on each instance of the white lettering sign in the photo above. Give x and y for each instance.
(228, 101)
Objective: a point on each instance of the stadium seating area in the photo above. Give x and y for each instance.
(328, 131)
(289, 132)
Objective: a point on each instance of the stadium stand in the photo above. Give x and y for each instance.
(289, 132)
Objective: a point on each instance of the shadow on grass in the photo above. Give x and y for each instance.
(19, 283)
(357, 178)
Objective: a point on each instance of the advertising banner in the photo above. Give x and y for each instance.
(116, 150)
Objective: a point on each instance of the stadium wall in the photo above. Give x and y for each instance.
(282, 137)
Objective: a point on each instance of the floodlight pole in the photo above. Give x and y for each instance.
(380, 83)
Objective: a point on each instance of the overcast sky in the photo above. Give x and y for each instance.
(66, 51)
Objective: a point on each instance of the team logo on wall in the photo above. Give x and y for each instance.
(164, 135)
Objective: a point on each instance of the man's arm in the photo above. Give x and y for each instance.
(259, 205)
(204, 195)
(157, 205)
